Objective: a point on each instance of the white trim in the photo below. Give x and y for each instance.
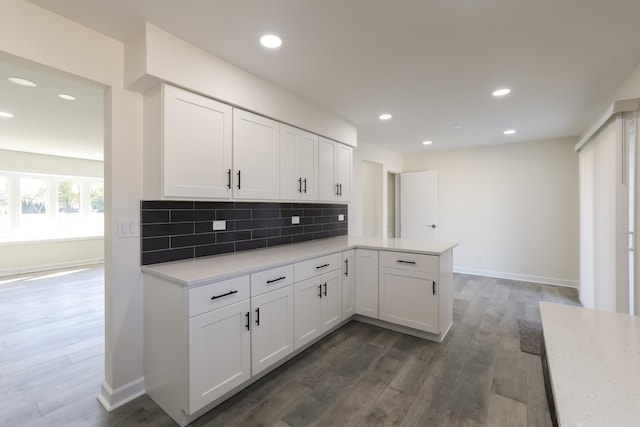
(519, 277)
(52, 240)
(46, 267)
(112, 399)
(621, 106)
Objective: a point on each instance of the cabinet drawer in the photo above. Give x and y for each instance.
(409, 261)
(314, 267)
(210, 297)
(269, 280)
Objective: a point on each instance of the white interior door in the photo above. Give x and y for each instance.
(419, 205)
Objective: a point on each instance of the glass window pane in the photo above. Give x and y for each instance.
(69, 197)
(96, 192)
(5, 223)
(33, 196)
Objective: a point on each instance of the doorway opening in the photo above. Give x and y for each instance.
(372, 206)
(393, 193)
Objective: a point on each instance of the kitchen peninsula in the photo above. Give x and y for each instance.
(214, 325)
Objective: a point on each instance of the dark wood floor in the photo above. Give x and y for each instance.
(52, 361)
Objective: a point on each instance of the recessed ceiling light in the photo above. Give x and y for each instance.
(502, 92)
(67, 97)
(385, 116)
(427, 142)
(509, 132)
(457, 126)
(7, 115)
(271, 41)
(21, 82)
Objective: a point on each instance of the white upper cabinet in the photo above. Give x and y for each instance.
(334, 171)
(298, 164)
(256, 156)
(187, 145)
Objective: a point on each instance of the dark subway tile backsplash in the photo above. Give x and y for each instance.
(175, 230)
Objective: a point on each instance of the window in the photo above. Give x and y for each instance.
(50, 207)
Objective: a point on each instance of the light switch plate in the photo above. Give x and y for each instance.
(128, 227)
(340, 217)
(219, 225)
(295, 220)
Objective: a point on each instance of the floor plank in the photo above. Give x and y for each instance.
(52, 362)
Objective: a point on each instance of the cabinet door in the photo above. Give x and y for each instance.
(409, 298)
(307, 310)
(327, 189)
(298, 164)
(348, 284)
(272, 330)
(197, 140)
(343, 171)
(256, 156)
(331, 300)
(219, 353)
(367, 283)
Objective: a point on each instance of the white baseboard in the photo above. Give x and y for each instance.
(519, 277)
(46, 267)
(112, 399)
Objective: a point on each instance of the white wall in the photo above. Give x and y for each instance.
(372, 206)
(630, 88)
(32, 33)
(512, 208)
(22, 257)
(390, 161)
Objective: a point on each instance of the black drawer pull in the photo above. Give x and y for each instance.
(258, 316)
(325, 289)
(322, 266)
(406, 262)
(247, 325)
(224, 295)
(320, 291)
(346, 267)
(276, 280)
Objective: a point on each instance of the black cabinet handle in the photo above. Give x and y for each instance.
(305, 185)
(340, 186)
(224, 295)
(406, 262)
(320, 291)
(238, 180)
(434, 287)
(276, 280)
(322, 266)
(337, 192)
(346, 267)
(299, 185)
(258, 316)
(247, 325)
(229, 179)
(325, 289)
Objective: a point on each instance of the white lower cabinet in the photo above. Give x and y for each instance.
(367, 283)
(219, 353)
(409, 298)
(318, 306)
(348, 284)
(272, 328)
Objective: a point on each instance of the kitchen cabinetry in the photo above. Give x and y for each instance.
(298, 164)
(348, 284)
(334, 170)
(367, 282)
(318, 297)
(256, 156)
(272, 316)
(409, 290)
(187, 145)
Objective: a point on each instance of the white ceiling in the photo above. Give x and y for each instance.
(431, 63)
(43, 122)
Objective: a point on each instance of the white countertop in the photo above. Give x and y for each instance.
(594, 364)
(201, 270)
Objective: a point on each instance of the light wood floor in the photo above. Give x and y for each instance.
(52, 364)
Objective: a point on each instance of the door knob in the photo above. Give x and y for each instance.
(432, 226)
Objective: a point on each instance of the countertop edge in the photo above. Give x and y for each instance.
(157, 269)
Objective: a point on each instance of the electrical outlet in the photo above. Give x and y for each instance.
(295, 220)
(219, 225)
(340, 217)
